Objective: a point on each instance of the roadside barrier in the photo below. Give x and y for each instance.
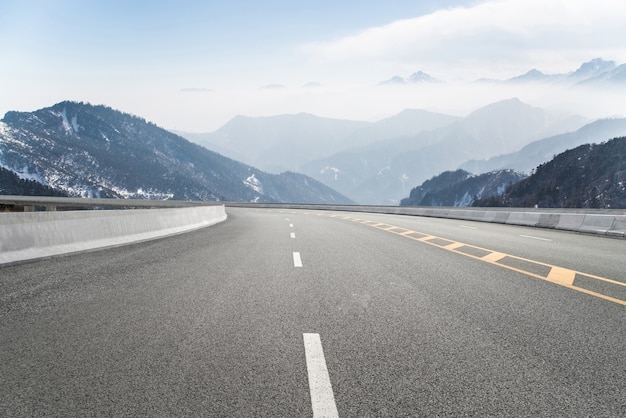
(33, 235)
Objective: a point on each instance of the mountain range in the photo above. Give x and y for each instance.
(84, 150)
(287, 142)
(385, 171)
(596, 72)
(418, 77)
(379, 162)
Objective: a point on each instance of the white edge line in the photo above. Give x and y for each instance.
(538, 238)
(322, 397)
(297, 261)
(293, 235)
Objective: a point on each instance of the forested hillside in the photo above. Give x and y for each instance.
(460, 188)
(589, 176)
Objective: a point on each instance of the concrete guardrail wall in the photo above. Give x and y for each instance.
(33, 235)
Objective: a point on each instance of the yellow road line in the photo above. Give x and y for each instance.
(454, 246)
(562, 276)
(557, 275)
(493, 257)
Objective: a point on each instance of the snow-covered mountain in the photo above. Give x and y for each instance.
(95, 151)
(594, 73)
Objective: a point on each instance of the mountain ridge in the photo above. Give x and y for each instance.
(542, 150)
(96, 151)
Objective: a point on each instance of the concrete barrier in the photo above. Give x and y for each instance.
(570, 221)
(618, 229)
(523, 218)
(32, 235)
(597, 224)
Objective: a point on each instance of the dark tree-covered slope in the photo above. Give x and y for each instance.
(460, 188)
(589, 176)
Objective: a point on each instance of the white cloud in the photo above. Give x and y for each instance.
(497, 36)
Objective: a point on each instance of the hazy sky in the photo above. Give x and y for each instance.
(192, 65)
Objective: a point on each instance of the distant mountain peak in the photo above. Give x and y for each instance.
(593, 68)
(597, 70)
(534, 75)
(395, 80)
(418, 77)
(422, 77)
(503, 105)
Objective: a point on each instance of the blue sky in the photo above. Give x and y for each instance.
(191, 65)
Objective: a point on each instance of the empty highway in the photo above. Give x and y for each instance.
(294, 313)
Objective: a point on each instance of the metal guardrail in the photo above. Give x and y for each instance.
(50, 203)
(30, 203)
(409, 210)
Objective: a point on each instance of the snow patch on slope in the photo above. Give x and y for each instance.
(254, 183)
(70, 127)
(334, 170)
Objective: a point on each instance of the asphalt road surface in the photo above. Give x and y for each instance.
(301, 313)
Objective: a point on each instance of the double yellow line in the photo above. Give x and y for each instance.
(572, 279)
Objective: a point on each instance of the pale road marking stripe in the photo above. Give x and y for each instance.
(562, 276)
(287, 219)
(293, 235)
(297, 261)
(454, 246)
(290, 225)
(538, 238)
(494, 257)
(322, 398)
(467, 227)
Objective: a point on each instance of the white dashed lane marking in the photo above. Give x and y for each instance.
(322, 397)
(537, 238)
(297, 261)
